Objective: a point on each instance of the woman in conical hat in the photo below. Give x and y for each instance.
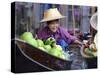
(93, 23)
(53, 29)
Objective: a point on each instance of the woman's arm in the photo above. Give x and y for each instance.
(70, 38)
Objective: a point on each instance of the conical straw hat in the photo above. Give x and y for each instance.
(93, 21)
(51, 14)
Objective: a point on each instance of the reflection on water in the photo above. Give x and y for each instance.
(78, 61)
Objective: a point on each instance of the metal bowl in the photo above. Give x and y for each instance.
(83, 53)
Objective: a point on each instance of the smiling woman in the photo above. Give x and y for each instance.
(53, 29)
(53, 25)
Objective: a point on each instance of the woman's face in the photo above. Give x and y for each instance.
(53, 25)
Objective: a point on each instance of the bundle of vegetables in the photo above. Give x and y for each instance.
(90, 50)
(48, 45)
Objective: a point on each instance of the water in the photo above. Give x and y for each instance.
(78, 61)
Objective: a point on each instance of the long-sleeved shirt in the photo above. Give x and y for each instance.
(61, 33)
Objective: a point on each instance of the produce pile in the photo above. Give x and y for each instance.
(49, 46)
(90, 50)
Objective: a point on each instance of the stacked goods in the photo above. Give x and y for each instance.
(49, 46)
(28, 37)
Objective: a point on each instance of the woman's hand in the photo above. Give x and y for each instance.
(78, 42)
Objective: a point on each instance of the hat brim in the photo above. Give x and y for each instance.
(51, 19)
(93, 21)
